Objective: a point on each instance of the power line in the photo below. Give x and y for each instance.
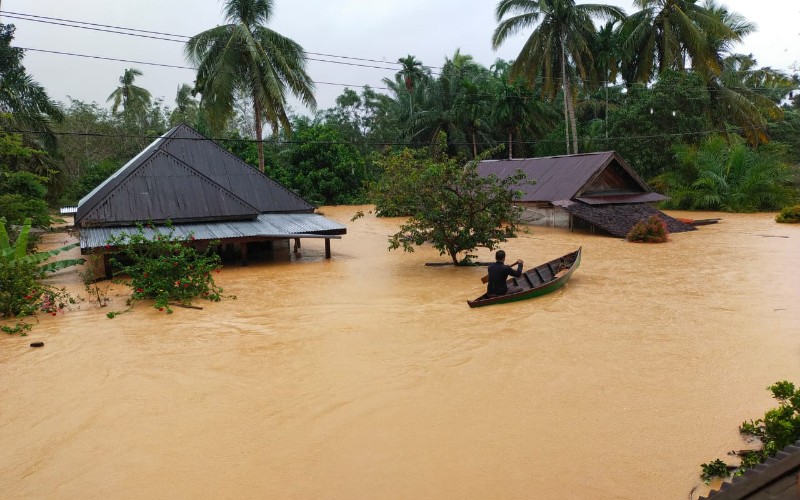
(156, 35)
(161, 35)
(368, 143)
(163, 65)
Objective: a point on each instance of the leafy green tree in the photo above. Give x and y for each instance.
(559, 45)
(90, 177)
(650, 121)
(448, 203)
(134, 100)
(22, 193)
(321, 166)
(245, 55)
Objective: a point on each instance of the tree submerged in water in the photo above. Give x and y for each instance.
(448, 203)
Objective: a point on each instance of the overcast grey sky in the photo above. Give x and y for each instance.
(374, 29)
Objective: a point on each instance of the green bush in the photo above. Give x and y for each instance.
(164, 267)
(16, 208)
(25, 184)
(22, 294)
(789, 215)
(653, 230)
(779, 428)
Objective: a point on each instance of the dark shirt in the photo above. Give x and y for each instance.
(498, 272)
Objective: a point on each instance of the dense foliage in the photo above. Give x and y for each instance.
(778, 428)
(662, 86)
(652, 230)
(448, 203)
(789, 215)
(728, 175)
(22, 289)
(164, 267)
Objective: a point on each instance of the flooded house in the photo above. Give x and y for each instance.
(204, 191)
(590, 191)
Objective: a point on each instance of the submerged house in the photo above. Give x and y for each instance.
(592, 190)
(204, 191)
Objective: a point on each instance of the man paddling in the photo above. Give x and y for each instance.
(499, 271)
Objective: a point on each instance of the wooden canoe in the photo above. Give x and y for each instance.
(536, 281)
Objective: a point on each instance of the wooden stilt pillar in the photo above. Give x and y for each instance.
(243, 252)
(327, 248)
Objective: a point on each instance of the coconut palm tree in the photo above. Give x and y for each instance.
(186, 106)
(135, 100)
(23, 101)
(245, 55)
(741, 93)
(558, 47)
(664, 33)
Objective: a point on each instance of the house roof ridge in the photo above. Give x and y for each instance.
(257, 171)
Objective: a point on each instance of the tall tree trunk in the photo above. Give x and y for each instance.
(510, 144)
(565, 89)
(474, 145)
(259, 143)
(573, 125)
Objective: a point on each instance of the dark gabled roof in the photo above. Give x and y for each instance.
(163, 188)
(775, 478)
(184, 177)
(619, 219)
(560, 177)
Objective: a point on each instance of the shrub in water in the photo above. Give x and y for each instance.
(653, 230)
(164, 267)
(789, 215)
(778, 428)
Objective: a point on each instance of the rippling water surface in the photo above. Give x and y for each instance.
(367, 376)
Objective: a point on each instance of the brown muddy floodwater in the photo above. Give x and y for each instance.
(367, 376)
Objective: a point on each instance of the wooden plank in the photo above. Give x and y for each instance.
(541, 276)
(529, 280)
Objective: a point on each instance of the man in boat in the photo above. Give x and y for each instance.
(499, 272)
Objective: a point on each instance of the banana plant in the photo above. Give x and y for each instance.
(13, 254)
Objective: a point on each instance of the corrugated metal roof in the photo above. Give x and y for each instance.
(183, 177)
(622, 198)
(266, 225)
(164, 188)
(557, 177)
(232, 173)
